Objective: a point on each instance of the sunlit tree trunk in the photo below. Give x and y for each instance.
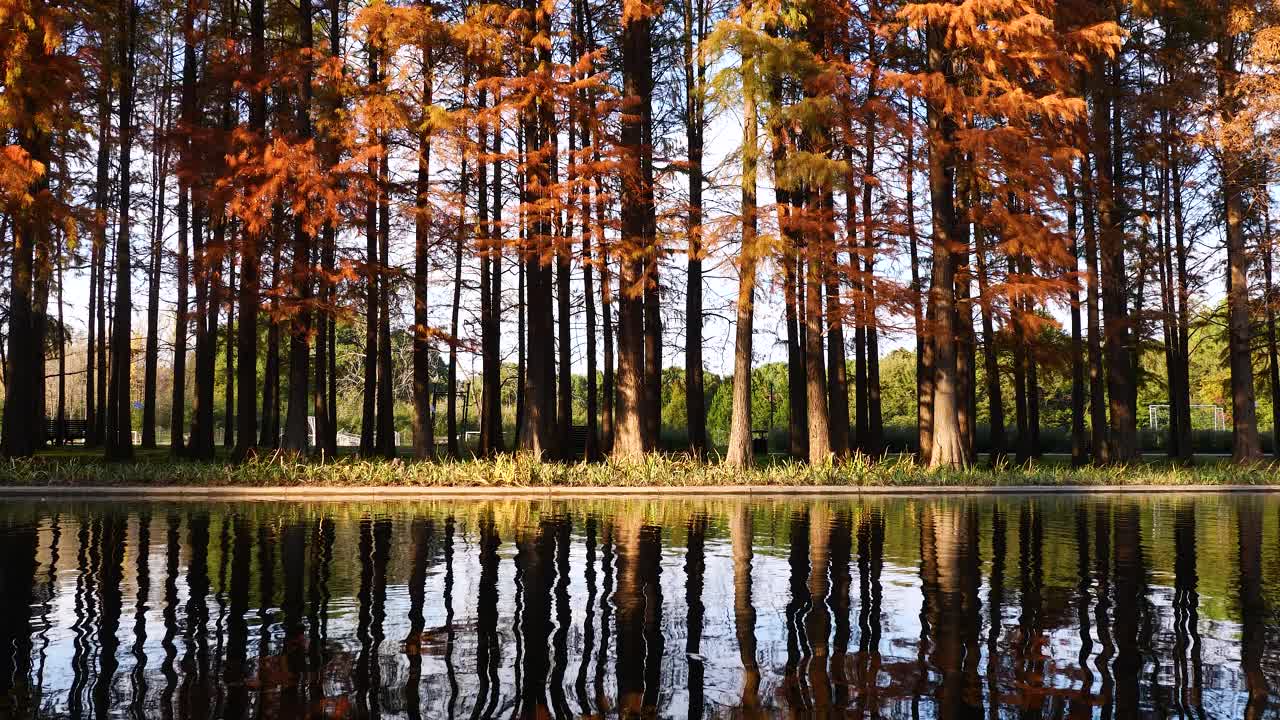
(1245, 446)
(947, 447)
(739, 453)
(630, 428)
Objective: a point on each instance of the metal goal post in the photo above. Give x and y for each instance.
(1154, 413)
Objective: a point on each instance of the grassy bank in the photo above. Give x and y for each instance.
(72, 467)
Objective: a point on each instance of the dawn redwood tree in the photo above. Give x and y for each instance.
(739, 32)
(119, 439)
(32, 37)
(301, 277)
(537, 120)
(696, 19)
(250, 239)
(1232, 146)
(636, 241)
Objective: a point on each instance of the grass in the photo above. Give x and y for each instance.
(77, 466)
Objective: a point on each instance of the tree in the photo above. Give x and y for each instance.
(635, 245)
(119, 439)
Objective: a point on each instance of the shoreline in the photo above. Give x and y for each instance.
(338, 493)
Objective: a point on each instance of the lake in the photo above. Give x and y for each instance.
(897, 607)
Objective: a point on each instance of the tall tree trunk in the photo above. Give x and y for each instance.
(18, 435)
(423, 427)
(947, 448)
(386, 438)
(493, 352)
(1245, 446)
(608, 389)
(226, 293)
(564, 296)
(630, 431)
(1101, 452)
(182, 324)
(1079, 450)
(1269, 303)
(872, 441)
(740, 451)
(998, 445)
(451, 380)
(695, 120)
(837, 380)
(95, 397)
(119, 444)
(924, 346)
(369, 399)
(1183, 318)
(537, 434)
(797, 393)
(815, 373)
(247, 331)
(295, 429)
(1122, 439)
(160, 165)
(484, 248)
(589, 180)
(324, 399)
(966, 410)
(269, 430)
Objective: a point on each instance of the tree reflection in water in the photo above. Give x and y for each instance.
(1049, 607)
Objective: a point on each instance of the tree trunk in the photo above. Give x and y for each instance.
(740, 451)
(119, 444)
(386, 437)
(1122, 439)
(1273, 357)
(872, 441)
(247, 331)
(369, 398)
(608, 389)
(95, 397)
(1079, 451)
(948, 449)
(484, 248)
(493, 352)
(451, 380)
(924, 347)
(269, 431)
(990, 357)
(423, 428)
(630, 431)
(695, 120)
(815, 373)
(538, 422)
(1245, 446)
(226, 292)
(18, 436)
(182, 324)
(160, 164)
(295, 429)
(1097, 390)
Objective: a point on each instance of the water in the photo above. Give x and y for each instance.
(957, 607)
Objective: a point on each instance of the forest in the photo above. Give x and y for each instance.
(611, 228)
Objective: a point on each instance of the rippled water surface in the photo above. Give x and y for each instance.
(1111, 607)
